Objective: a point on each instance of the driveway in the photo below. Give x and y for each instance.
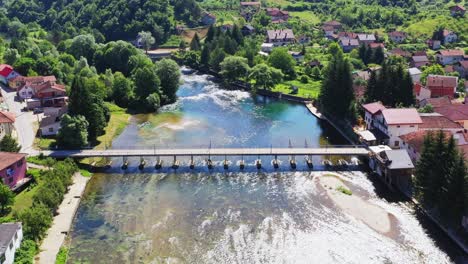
(26, 124)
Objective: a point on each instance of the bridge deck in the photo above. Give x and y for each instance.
(343, 151)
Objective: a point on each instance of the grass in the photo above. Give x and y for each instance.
(62, 255)
(344, 190)
(307, 16)
(173, 41)
(306, 90)
(281, 3)
(86, 173)
(427, 26)
(24, 199)
(226, 17)
(38, 160)
(45, 143)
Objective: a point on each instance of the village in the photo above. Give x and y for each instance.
(32, 108)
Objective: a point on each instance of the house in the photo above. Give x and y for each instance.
(249, 9)
(7, 73)
(366, 39)
(415, 74)
(7, 121)
(436, 102)
(442, 85)
(11, 235)
(329, 32)
(280, 37)
(350, 35)
(434, 44)
(297, 55)
(436, 122)
(376, 45)
(457, 10)
(394, 166)
(226, 27)
(400, 52)
(13, 169)
(449, 36)
(49, 125)
(333, 24)
(314, 63)
(450, 56)
(303, 39)
(208, 19)
(43, 90)
(456, 112)
(267, 47)
(397, 36)
(277, 15)
(462, 68)
(419, 61)
(421, 92)
(20, 81)
(247, 30)
(348, 44)
(388, 124)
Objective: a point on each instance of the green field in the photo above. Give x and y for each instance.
(426, 27)
(307, 16)
(307, 90)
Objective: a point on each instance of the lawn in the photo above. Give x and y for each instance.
(24, 199)
(307, 16)
(426, 27)
(306, 90)
(45, 143)
(281, 3)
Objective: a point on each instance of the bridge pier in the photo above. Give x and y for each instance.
(142, 163)
(210, 164)
(310, 165)
(175, 164)
(242, 164)
(158, 164)
(293, 164)
(258, 164)
(192, 164)
(124, 163)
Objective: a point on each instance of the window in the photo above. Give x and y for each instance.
(397, 143)
(397, 126)
(51, 129)
(16, 236)
(10, 180)
(19, 163)
(411, 126)
(11, 245)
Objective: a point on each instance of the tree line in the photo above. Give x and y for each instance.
(441, 179)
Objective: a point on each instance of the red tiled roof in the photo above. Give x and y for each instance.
(438, 102)
(417, 88)
(464, 64)
(31, 79)
(439, 80)
(328, 28)
(7, 117)
(48, 85)
(348, 35)
(249, 3)
(376, 45)
(373, 108)
(8, 158)
(438, 121)
(400, 52)
(401, 116)
(451, 52)
(419, 53)
(332, 23)
(454, 112)
(449, 69)
(5, 70)
(416, 139)
(397, 34)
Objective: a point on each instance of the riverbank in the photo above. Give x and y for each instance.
(62, 222)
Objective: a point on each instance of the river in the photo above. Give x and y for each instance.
(229, 216)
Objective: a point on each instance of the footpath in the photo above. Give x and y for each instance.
(62, 222)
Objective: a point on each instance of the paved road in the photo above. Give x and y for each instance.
(25, 124)
(62, 222)
(354, 151)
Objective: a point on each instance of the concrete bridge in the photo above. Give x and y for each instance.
(209, 152)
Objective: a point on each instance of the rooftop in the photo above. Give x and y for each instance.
(454, 112)
(420, 59)
(437, 102)
(280, 34)
(416, 139)
(440, 80)
(5, 70)
(401, 116)
(399, 159)
(436, 121)
(414, 71)
(8, 158)
(7, 232)
(373, 108)
(451, 52)
(366, 37)
(7, 117)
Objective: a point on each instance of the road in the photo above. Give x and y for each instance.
(26, 123)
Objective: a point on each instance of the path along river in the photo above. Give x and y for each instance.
(252, 216)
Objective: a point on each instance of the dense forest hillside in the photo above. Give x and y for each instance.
(105, 19)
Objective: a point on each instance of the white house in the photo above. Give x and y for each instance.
(26, 92)
(397, 36)
(49, 126)
(449, 36)
(391, 123)
(420, 92)
(267, 47)
(11, 235)
(451, 56)
(280, 37)
(7, 121)
(415, 74)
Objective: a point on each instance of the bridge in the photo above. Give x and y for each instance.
(209, 152)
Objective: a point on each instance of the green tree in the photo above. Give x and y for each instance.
(11, 56)
(146, 82)
(82, 46)
(195, 43)
(216, 57)
(153, 101)
(234, 68)
(337, 81)
(7, 198)
(424, 173)
(36, 220)
(147, 40)
(9, 144)
(434, 69)
(169, 74)
(73, 133)
(281, 59)
(265, 77)
(205, 55)
(378, 56)
(122, 90)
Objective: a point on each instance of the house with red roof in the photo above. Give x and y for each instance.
(387, 124)
(13, 169)
(397, 36)
(450, 56)
(440, 85)
(20, 81)
(455, 112)
(348, 44)
(6, 73)
(277, 15)
(399, 52)
(421, 92)
(437, 121)
(436, 102)
(419, 61)
(414, 142)
(7, 121)
(457, 10)
(376, 45)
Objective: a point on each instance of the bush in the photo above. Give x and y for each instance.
(62, 256)
(344, 190)
(26, 253)
(304, 79)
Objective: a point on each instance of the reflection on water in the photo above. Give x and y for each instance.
(230, 216)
